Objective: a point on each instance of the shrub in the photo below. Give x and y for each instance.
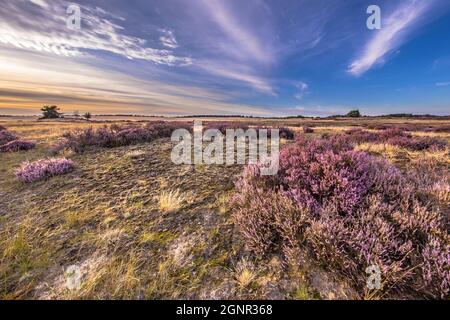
(417, 143)
(286, 133)
(378, 126)
(17, 145)
(116, 136)
(283, 132)
(396, 137)
(2, 128)
(308, 130)
(6, 136)
(223, 126)
(43, 169)
(349, 210)
(442, 128)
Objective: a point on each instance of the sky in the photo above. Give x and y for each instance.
(253, 57)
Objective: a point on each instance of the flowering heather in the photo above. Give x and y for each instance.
(116, 136)
(286, 133)
(17, 145)
(6, 136)
(377, 126)
(443, 128)
(43, 169)
(308, 130)
(396, 137)
(349, 210)
(223, 126)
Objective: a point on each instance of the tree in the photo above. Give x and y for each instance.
(354, 114)
(87, 115)
(50, 112)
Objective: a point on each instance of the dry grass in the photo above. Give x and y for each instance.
(399, 154)
(135, 154)
(171, 201)
(244, 273)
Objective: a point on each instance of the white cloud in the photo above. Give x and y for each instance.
(302, 90)
(443, 84)
(49, 33)
(40, 3)
(247, 43)
(168, 39)
(238, 72)
(395, 29)
(27, 85)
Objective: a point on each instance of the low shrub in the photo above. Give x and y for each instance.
(308, 130)
(417, 143)
(442, 128)
(349, 210)
(17, 145)
(283, 132)
(223, 126)
(6, 136)
(378, 126)
(116, 136)
(43, 169)
(396, 137)
(2, 128)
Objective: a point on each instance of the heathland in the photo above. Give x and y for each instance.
(103, 195)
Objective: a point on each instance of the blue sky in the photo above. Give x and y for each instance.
(254, 57)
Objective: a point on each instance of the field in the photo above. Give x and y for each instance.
(140, 227)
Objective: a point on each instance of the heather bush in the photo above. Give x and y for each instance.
(283, 132)
(116, 136)
(396, 137)
(286, 133)
(43, 169)
(308, 130)
(417, 143)
(349, 210)
(410, 127)
(223, 126)
(17, 145)
(377, 126)
(442, 128)
(6, 136)
(2, 128)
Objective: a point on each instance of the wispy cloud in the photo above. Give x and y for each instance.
(40, 3)
(302, 88)
(240, 73)
(443, 84)
(99, 31)
(249, 44)
(168, 39)
(236, 46)
(395, 31)
(26, 86)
